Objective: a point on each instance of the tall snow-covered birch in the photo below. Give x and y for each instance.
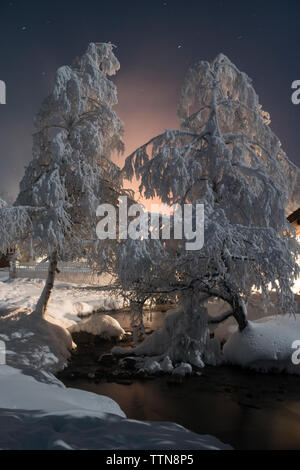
(76, 131)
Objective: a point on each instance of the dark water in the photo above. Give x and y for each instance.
(246, 409)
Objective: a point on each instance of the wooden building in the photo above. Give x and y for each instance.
(294, 219)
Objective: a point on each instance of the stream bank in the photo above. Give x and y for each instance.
(243, 408)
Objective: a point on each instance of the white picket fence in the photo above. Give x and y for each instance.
(74, 272)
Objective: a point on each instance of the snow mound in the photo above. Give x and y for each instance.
(156, 365)
(26, 393)
(183, 369)
(150, 365)
(100, 325)
(33, 342)
(21, 430)
(265, 345)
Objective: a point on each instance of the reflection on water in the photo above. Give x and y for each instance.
(152, 319)
(246, 410)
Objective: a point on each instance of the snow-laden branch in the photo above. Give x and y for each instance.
(15, 225)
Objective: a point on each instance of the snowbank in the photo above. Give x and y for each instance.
(36, 410)
(266, 344)
(46, 343)
(36, 415)
(100, 325)
(36, 431)
(26, 393)
(33, 342)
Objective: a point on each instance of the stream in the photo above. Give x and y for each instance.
(245, 409)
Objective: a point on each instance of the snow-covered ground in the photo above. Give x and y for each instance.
(36, 415)
(66, 303)
(46, 344)
(36, 410)
(3, 275)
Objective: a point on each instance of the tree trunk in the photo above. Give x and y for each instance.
(12, 265)
(12, 269)
(137, 320)
(43, 301)
(239, 311)
(184, 337)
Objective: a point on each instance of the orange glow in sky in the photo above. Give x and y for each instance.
(147, 107)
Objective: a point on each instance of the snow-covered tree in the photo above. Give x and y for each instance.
(15, 225)
(225, 156)
(2, 203)
(71, 171)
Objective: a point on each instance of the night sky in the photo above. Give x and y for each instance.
(156, 41)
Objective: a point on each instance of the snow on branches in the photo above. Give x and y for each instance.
(15, 225)
(71, 171)
(225, 156)
(76, 132)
